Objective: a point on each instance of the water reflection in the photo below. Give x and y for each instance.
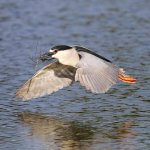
(124, 135)
(67, 135)
(56, 133)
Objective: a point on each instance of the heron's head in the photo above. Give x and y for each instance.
(59, 52)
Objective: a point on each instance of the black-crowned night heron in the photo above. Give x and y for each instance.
(74, 63)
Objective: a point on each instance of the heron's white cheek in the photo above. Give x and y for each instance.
(58, 55)
(67, 57)
(53, 56)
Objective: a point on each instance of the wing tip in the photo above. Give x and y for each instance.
(18, 95)
(21, 95)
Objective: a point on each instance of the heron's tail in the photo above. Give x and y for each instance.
(126, 78)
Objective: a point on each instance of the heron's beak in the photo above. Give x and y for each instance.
(46, 56)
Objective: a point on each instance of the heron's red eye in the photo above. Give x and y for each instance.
(55, 50)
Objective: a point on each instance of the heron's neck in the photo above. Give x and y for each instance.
(69, 57)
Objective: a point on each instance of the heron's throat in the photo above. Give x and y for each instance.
(68, 57)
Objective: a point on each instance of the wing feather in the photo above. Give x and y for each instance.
(49, 79)
(95, 74)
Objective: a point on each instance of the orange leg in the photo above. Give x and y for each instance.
(126, 78)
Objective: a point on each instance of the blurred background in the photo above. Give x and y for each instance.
(74, 119)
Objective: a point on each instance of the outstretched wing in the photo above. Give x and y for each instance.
(47, 80)
(95, 73)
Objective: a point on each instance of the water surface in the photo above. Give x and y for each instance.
(74, 119)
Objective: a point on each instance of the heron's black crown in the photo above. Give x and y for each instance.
(61, 47)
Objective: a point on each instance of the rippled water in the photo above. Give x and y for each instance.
(73, 119)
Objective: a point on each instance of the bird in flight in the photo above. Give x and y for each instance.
(73, 64)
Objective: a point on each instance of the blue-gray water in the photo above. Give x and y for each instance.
(73, 119)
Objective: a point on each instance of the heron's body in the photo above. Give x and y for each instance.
(75, 63)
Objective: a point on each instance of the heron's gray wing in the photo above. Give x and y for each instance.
(47, 80)
(97, 75)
